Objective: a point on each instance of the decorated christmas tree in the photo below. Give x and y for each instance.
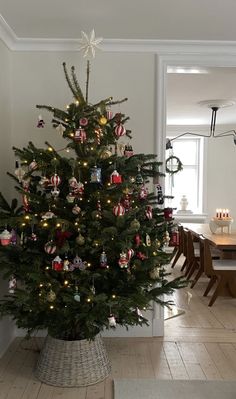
(86, 248)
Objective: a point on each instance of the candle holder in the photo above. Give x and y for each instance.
(224, 222)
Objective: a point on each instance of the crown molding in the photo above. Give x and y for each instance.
(162, 47)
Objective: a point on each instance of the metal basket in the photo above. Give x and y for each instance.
(72, 363)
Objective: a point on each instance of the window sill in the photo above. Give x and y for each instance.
(190, 217)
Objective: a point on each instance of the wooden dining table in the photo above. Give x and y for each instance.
(225, 242)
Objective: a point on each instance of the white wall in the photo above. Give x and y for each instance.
(6, 327)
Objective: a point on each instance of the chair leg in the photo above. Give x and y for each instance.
(184, 265)
(221, 284)
(188, 267)
(198, 275)
(212, 281)
(192, 270)
(177, 256)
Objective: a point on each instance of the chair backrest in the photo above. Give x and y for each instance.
(205, 256)
(181, 238)
(190, 246)
(185, 240)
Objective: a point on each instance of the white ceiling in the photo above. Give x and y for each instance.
(123, 19)
(139, 19)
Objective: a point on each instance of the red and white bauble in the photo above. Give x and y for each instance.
(79, 189)
(33, 165)
(148, 212)
(120, 130)
(119, 210)
(76, 210)
(83, 121)
(50, 247)
(109, 114)
(130, 253)
(80, 135)
(55, 180)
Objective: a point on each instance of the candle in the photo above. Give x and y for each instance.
(220, 213)
(217, 213)
(223, 213)
(227, 213)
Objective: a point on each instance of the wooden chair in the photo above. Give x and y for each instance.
(222, 272)
(215, 254)
(192, 254)
(180, 248)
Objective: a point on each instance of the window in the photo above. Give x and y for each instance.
(189, 181)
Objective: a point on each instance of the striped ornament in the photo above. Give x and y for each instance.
(55, 180)
(119, 210)
(120, 130)
(50, 248)
(130, 253)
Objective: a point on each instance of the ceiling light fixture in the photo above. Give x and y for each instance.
(215, 105)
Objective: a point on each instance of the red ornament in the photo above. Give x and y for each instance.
(148, 212)
(120, 130)
(50, 247)
(55, 180)
(61, 237)
(130, 253)
(141, 256)
(57, 264)
(137, 240)
(119, 210)
(115, 178)
(80, 135)
(109, 114)
(83, 121)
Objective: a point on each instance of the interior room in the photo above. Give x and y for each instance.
(173, 74)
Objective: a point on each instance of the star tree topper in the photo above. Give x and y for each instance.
(89, 43)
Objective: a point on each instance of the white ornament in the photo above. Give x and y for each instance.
(89, 44)
(112, 321)
(60, 128)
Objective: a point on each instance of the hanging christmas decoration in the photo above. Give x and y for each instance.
(13, 237)
(41, 122)
(51, 296)
(80, 239)
(102, 121)
(148, 240)
(111, 321)
(48, 215)
(77, 294)
(128, 151)
(5, 237)
(60, 128)
(83, 121)
(57, 264)
(44, 181)
(160, 197)
(55, 180)
(139, 177)
(166, 238)
(66, 264)
(120, 130)
(19, 172)
(70, 198)
(141, 255)
(119, 210)
(130, 253)
(55, 192)
(33, 165)
(148, 212)
(137, 240)
(106, 153)
(126, 202)
(95, 175)
(50, 247)
(25, 202)
(80, 135)
(76, 210)
(103, 259)
(12, 284)
(135, 225)
(73, 182)
(79, 189)
(61, 236)
(109, 114)
(115, 177)
(143, 193)
(123, 261)
(139, 314)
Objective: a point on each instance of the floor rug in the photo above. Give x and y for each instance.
(173, 389)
